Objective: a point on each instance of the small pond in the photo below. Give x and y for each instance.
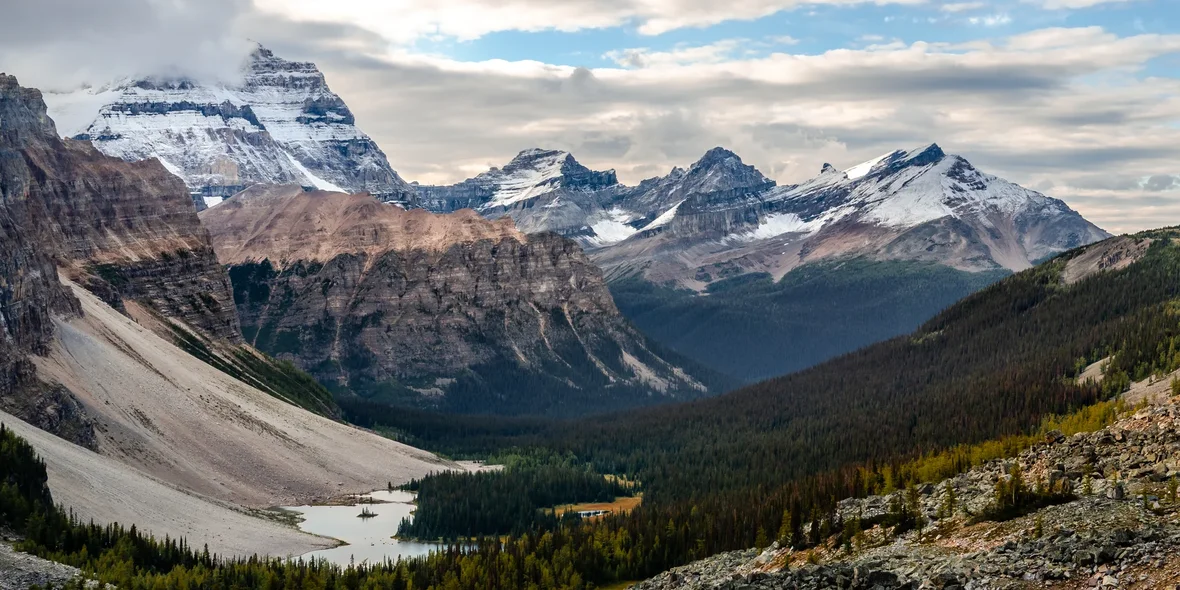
(369, 539)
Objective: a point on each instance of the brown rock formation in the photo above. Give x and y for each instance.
(448, 311)
(126, 230)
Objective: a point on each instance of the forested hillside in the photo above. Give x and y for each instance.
(996, 363)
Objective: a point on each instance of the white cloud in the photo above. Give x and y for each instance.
(642, 57)
(954, 7)
(403, 21)
(991, 20)
(1065, 4)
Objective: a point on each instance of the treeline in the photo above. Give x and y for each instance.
(26, 508)
(575, 555)
(994, 365)
(454, 505)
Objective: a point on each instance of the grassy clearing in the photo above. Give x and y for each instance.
(621, 505)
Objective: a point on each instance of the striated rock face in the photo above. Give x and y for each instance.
(30, 294)
(448, 311)
(126, 230)
(280, 124)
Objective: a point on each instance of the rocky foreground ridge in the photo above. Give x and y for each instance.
(448, 311)
(1122, 531)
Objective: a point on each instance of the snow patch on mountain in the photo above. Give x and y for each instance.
(780, 224)
(612, 229)
(664, 218)
(316, 181)
(861, 170)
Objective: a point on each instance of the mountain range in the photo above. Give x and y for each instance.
(123, 356)
(185, 371)
(714, 261)
(721, 218)
(279, 124)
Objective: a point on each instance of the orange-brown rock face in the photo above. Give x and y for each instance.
(126, 230)
(447, 311)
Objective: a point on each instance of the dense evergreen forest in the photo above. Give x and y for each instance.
(754, 328)
(457, 505)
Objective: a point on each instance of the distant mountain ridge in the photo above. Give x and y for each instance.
(721, 217)
(879, 247)
(280, 124)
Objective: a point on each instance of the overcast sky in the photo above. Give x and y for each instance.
(1076, 98)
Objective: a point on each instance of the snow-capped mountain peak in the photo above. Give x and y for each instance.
(905, 188)
(895, 160)
(537, 172)
(279, 124)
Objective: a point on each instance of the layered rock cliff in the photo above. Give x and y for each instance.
(127, 230)
(448, 311)
(30, 295)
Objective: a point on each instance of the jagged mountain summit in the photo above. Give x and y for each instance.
(447, 311)
(721, 217)
(913, 205)
(541, 190)
(279, 124)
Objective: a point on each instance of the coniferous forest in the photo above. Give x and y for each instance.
(454, 505)
(764, 463)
